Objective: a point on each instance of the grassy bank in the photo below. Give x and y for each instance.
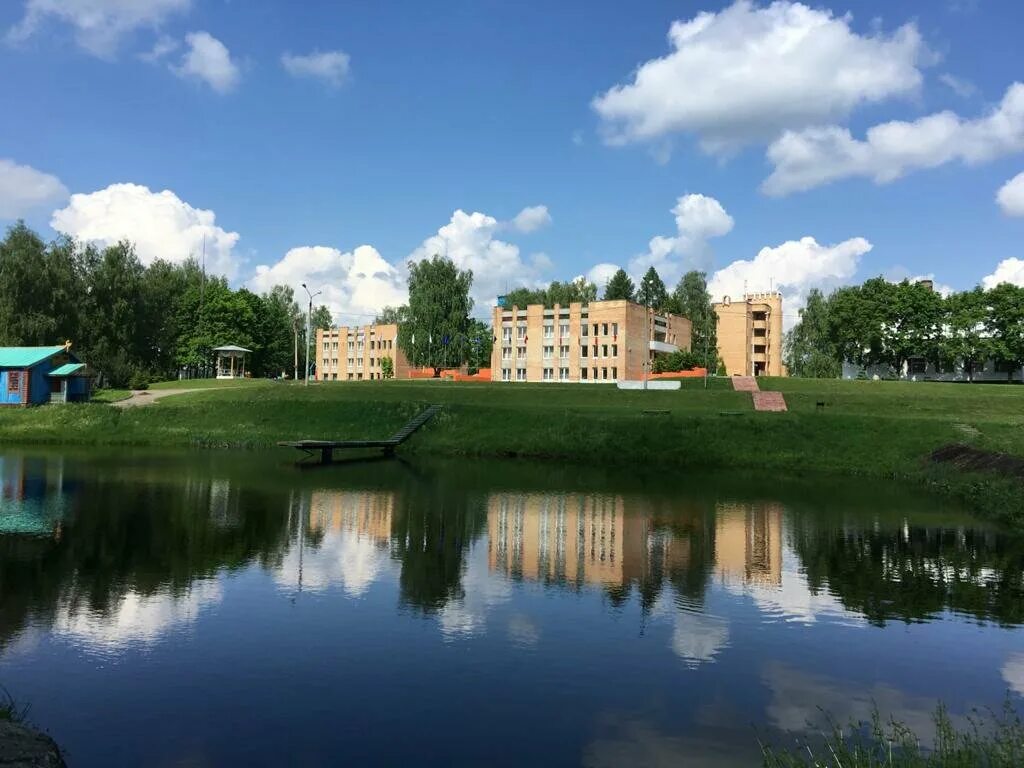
(875, 429)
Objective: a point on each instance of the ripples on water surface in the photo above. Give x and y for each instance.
(213, 610)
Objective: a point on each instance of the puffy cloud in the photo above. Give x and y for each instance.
(600, 274)
(821, 155)
(532, 218)
(99, 24)
(748, 72)
(469, 241)
(356, 284)
(137, 618)
(329, 66)
(23, 188)
(793, 268)
(161, 48)
(1011, 196)
(698, 219)
(160, 224)
(1008, 271)
(209, 60)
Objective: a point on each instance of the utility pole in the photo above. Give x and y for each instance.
(295, 327)
(309, 327)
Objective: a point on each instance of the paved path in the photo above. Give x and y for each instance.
(763, 401)
(147, 396)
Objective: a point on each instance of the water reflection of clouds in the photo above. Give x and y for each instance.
(137, 618)
(1013, 672)
(698, 638)
(482, 590)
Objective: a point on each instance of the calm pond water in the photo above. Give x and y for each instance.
(208, 609)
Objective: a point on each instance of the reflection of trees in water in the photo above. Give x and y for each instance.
(913, 573)
(135, 538)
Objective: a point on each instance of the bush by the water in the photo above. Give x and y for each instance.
(989, 739)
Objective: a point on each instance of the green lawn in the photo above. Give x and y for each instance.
(881, 429)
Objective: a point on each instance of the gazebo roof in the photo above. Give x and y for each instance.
(231, 348)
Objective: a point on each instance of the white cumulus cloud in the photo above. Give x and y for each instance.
(1007, 271)
(792, 268)
(1011, 196)
(748, 72)
(699, 218)
(356, 284)
(99, 24)
(160, 224)
(821, 155)
(329, 66)
(208, 59)
(23, 188)
(469, 241)
(532, 218)
(600, 274)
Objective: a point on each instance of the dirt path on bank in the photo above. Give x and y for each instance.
(147, 396)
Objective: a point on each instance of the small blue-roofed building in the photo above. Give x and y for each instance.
(38, 375)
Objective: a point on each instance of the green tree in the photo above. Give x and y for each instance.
(480, 342)
(25, 291)
(321, 319)
(966, 341)
(387, 367)
(619, 287)
(809, 352)
(392, 315)
(439, 307)
(913, 328)
(564, 294)
(652, 292)
(113, 314)
(1005, 323)
(524, 297)
(692, 300)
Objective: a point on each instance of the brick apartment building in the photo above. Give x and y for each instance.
(750, 334)
(603, 341)
(355, 353)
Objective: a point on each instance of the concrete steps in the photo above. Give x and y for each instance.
(769, 401)
(745, 384)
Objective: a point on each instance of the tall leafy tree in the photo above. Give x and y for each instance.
(524, 297)
(966, 341)
(1006, 326)
(652, 292)
(392, 315)
(439, 307)
(322, 319)
(479, 343)
(25, 291)
(619, 287)
(809, 352)
(113, 313)
(692, 300)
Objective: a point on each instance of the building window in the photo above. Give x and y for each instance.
(760, 333)
(595, 351)
(595, 329)
(350, 362)
(549, 352)
(506, 334)
(506, 374)
(604, 350)
(326, 362)
(359, 377)
(563, 351)
(549, 330)
(615, 350)
(584, 350)
(371, 361)
(615, 373)
(350, 377)
(604, 373)
(334, 377)
(521, 331)
(760, 317)
(615, 329)
(520, 351)
(595, 374)
(583, 374)
(334, 345)
(520, 374)
(759, 349)
(584, 330)
(326, 346)
(563, 374)
(351, 346)
(549, 374)
(506, 353)
(604, 329)
(563, 329)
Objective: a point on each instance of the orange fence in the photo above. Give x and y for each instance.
(696, 373)
(451, 374)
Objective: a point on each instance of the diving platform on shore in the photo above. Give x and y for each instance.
(388, 445)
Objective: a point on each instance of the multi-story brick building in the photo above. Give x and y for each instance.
(603, 341)
(750, 334)
(355, 354)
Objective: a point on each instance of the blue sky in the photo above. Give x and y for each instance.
(421, 110)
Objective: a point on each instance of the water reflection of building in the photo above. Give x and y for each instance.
(34, 495)
(563, 538)
(361, 512)
(748, 543)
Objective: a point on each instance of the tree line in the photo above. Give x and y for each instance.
(881, 323)
(134, 323)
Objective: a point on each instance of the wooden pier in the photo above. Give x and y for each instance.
(388, 445)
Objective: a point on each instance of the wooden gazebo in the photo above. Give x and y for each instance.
(231, 361)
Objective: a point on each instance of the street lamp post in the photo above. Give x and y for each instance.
(309, 327)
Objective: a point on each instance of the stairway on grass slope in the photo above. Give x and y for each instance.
(763, 401)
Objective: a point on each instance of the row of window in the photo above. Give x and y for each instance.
(586, 374)
(599, 350)
(600, 329)
(353, 346)
(351, 362)
(358, 377)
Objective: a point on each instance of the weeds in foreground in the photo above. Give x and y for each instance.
(10, 712)
(990, 740)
